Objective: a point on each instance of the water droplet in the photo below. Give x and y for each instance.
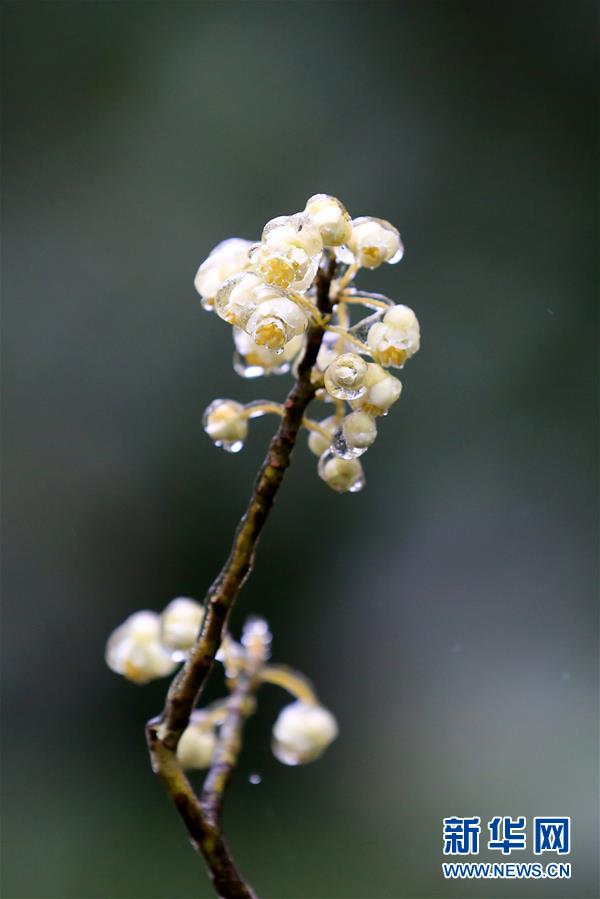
(245, 369)
(340, 446)
(230, 447)
(255, 779)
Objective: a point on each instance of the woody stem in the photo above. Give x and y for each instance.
(163, 733)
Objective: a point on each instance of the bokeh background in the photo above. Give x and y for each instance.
(448, 613)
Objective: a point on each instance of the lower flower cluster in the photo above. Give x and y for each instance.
(149, 645)
(267, 292)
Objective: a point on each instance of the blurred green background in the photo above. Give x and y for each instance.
(448, 613)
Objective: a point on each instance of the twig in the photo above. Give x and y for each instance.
(239, 707)
(203, 818)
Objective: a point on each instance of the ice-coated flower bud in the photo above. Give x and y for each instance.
(257, 639)
(197, 744)
(226, 424)
(318, 443)
(383, 389)
(289, 252)
(345, 377)
(396, 338)
(302, 733)
(375, 241)
(331, 218)
(135, 651)
(252, 361)
(179, 625)
(342, 475)
(275, 322)
(240, 295)
(359, 431)
(227, 259)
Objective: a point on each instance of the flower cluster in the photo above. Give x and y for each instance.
(267, 292)
(147, 646)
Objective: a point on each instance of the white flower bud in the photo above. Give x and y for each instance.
(342, 475)
(375, 241)
(226, 424)
(383, 389)
(396, 338)
(302, 733)
(317, 443)
(275, 322)
(197, 743)
(359, 431)
(239, 296)
(331, 218)
(289, 253)
(345, 377)
(257, 639)
(135, 651)
(180, 623)
(228, 258)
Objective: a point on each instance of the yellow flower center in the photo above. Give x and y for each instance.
(133, 673)
(254, 359)
(393, 355)
(372, 254)
(278, 271)
(270, 334)
(370, 409)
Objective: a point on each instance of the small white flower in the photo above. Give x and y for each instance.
(375, 241)
(289, 252)
(318, 443)
(383, 389)
(228, 258)
(226, 424)
(240, 295)
(135, 651)
(359, 431)
(342, 475)
(396, 338)
(257, 638)
(180, 624)
(302, 733)
(345, 377)
(275, 322)
(197, 743)
(331, 218)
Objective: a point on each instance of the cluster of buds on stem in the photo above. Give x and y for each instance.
(267, 292)
(149, 645)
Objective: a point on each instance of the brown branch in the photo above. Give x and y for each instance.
(203, 819)
(206, 835)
